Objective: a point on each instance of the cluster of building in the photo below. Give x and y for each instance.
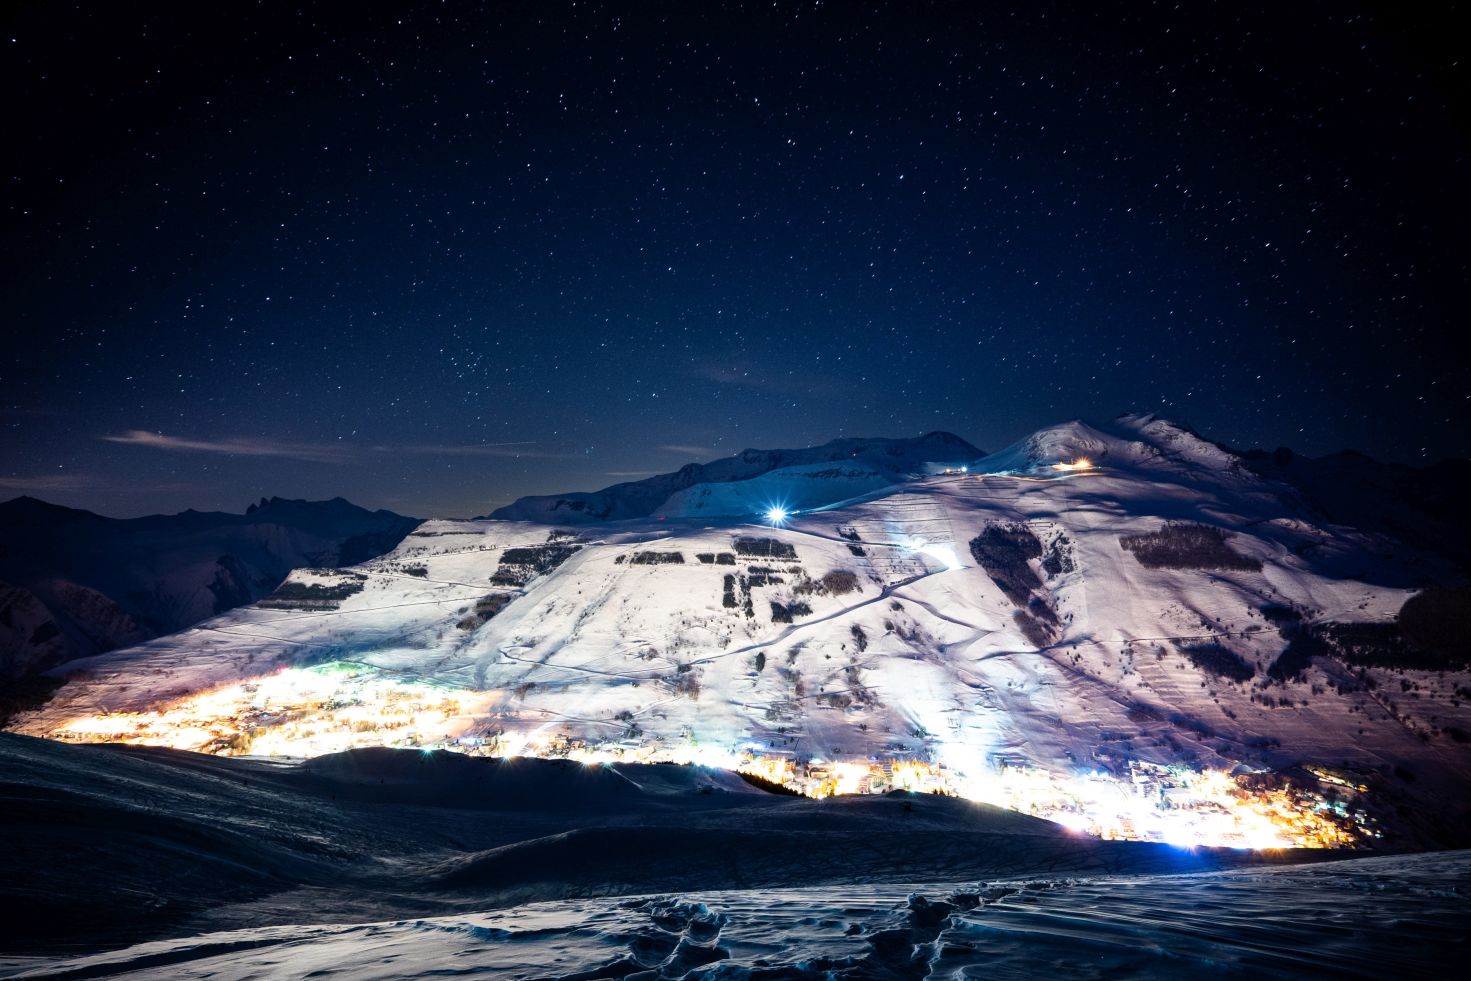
(1142, 801)
(297, 712)
(303, 712)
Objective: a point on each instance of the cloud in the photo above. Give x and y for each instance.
(48, 482)
(323, 452)
(629, 473)
(312, 452)
(701, 451)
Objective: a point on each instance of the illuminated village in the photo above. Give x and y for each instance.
(304, 712)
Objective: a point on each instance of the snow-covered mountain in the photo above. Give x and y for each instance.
(823, 474)
(1097, 618)
(74, 583)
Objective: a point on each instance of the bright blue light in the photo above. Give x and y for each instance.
(776, 515)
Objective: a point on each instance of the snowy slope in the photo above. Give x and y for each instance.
(872, 630)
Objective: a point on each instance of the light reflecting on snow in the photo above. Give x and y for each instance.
(1385, 916)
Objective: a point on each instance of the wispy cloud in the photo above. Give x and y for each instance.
(629, 473)
(701, 451)
(325, 452)
(313, 452)
(48, 482)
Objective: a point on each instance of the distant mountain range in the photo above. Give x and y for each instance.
(74, 583)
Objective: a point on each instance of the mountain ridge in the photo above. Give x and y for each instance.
(74, 583)
(887, 458)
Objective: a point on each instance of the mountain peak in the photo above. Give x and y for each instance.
(26, 508)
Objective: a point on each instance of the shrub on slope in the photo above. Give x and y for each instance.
(1186, 546)
(1219, 661)
(1004, 551)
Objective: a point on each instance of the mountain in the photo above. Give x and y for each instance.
(1421, 506)
(754, 480)
(74, 584)
(1123, 626)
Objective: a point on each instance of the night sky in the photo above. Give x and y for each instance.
(437, 257)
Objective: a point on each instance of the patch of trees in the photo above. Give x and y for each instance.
(1434, 623)
(1297, 656)
(1425, 640)
(1058, 557)
(685, 682)
(761, 575)
(1218, 660)
(1004, 551)
(521, 565)
(766, 548)
(838, 582)
(716, 558)
(292, 594)
(1281, 616)
(737, 594)
(486, 607)
(1180, 545)
(656, 558)
(1032, 629)
(786, 612)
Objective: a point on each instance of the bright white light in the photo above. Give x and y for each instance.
(965, 469)
(776, 515)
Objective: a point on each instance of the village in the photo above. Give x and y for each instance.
(305, 712)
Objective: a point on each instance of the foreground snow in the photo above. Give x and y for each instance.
(1404, 916)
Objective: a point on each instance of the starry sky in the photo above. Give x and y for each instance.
(433, 256)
